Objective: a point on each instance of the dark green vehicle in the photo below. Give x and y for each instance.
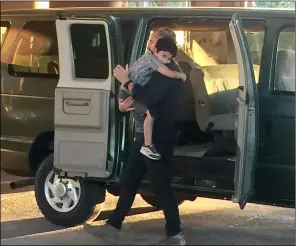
(60, 122)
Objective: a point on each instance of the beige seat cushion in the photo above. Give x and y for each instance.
(215, 92)
(186, 101)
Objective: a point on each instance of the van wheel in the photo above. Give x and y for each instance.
(66, 202)
(154, 203)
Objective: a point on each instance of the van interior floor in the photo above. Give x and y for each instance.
(193, 150)
(192, 166)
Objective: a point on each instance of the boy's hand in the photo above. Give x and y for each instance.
(183, 76)
(121, 74)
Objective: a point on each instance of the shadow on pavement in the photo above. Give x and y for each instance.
(134, 211)
(40, 225)
(217, 226)
(5, 189)
(26, 227)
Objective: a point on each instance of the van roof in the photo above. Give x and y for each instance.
(267, 12)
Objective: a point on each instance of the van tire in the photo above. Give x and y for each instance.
(89, 205)
(151, 200)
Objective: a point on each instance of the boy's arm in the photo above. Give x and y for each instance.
(164, 70)
(157, 65)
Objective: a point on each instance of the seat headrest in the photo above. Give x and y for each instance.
(185, 66)
(285, 70)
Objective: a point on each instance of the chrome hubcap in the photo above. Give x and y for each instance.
(60, 190)
(62, 194)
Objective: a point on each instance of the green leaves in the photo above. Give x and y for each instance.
(278, 4)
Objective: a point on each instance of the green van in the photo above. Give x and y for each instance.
(60, 122)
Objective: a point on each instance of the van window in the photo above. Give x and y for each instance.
(37, 50)
(4, 29)
(90, 51)
(284, 79)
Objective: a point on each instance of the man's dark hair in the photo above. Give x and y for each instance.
(168, 45)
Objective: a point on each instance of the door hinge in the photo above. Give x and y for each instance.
(63, 17)
(121, 156)
(251, 108)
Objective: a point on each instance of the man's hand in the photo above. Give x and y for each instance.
(121, 74)
(125, 105)
(130, 87)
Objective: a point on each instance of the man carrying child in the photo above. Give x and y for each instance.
(160, 96)
(140, 73)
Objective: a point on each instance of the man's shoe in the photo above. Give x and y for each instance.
(105, 232)
(173, 240)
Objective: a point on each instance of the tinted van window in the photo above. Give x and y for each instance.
(284, 79)
(90, 51)
(37, 50)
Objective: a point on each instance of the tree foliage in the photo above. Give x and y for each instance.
(276, 4)
(162, 3)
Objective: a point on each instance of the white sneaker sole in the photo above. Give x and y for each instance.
(155, 158)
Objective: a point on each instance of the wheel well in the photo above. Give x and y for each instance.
(40, 149)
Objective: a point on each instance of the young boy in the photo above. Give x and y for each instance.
(140, 73)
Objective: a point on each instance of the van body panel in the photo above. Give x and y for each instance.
(81, 103)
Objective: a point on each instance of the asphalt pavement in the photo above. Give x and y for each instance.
(205, 222)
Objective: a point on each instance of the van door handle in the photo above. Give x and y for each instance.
(201, 103)
(72, 103)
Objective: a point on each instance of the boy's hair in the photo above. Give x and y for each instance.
(165, 32)
(168, 45)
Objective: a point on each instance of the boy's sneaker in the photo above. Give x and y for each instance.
(105, 232)
(173, 240)
(150, 152)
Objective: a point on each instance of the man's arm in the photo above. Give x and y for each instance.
(121, 75)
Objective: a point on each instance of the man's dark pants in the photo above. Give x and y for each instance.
(138, 165)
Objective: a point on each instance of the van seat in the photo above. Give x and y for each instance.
(186, 103)
(221, 85)
(215, 92)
